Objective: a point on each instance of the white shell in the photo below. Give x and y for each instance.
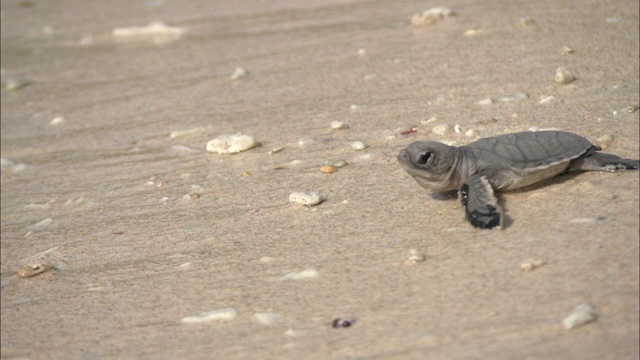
(358, 145)
(231, 144)
(58, 120)
(307, 199)
(338, 125)
(238, 73)
(581, 315)
(563, 76)
(442, 129)
(220, 314)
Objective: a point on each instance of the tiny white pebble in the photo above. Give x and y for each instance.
(58, 120)
(306, 141)
(546, 99)
(220, 314)
(306, 198)
(442, 129)
(185, 266)
(563, 76)
(415, 257)
(525, 21)
(238, 73)
(304, 274)
(354, 107)
(266, 259)
(531, 264)
(265, 318)
(591, 220)
(486, 101)
(472, 32)
(276, 150)
(164, 199)
(429, 120)
(338, 125)
(231, 144)
(567, 50)
(358, 145)
(458, 129)
(582, 314)
(390, 137)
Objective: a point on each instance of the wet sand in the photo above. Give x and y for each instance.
(135, 257)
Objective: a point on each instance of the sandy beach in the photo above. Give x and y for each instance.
(161, 250)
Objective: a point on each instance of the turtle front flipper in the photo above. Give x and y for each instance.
(479, 202)
(595, 161)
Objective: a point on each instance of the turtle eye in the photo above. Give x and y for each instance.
(423, 157)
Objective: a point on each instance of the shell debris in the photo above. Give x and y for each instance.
(485, 101)
(304, 274)
(265, 318)
(431, 16)
(339, 125)
(36, 267)
(58, 120)
(358, 145)
(582, 314)
(157, 32)
(214, 315)
(238, 73)
(13, 84)
(338, 163)
(567, 50)
(328, 169)
(563, 76)
(531, 264)
(231, 143)
(442, 129)
(306, 198)
(415, 257)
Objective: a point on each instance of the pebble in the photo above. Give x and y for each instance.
(513, 97)
(472, 32)
(567, 50)
(358, 145)
(41, 224)
(531, 264)
(328, 169)
(457, 129)
(582, 314)
(416, 257)
(231, 144)
(336, 163)
(546, 99)
(265, 318)
(307, 199)
(591, 220)
(487, 101)
(431, 16)
(220, 314)
(339, 125)
(470, 133)
(36, 267)
(58, 120)
(442, 129)
(304, 274)
(238, 73)
(157, 31)
(429, 120)
(13, 84)
(563, 76)
(275, 150)
(186, 266)
(525, 21)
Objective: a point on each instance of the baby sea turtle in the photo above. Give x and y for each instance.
(502, 163)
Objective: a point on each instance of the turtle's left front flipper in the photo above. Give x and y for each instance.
(480, 204)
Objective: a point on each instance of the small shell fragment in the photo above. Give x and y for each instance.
(220, 314)
(338, 163)
(276, 150)
(563, 76)
(342, 322)
(265, 318)
(15, 83)
(416, 257)
(339, 125)
(486, 101)
(58, 120)
(546, 99)
(358, 145)
(238, 73)
(304, 274)
(328, 169)
(582, 314)
(458, 129)
(307, 199)
(526, 21)
(36, 267)
(442, 129)
(567, 50)
(231, 144)
(531, 264)
(431, 16)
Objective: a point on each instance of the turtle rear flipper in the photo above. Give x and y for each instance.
(594, 161)
(480, 204)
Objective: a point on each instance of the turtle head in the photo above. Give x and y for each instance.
(431, 164)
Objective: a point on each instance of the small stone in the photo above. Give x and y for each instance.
(526, 21)
(265, 318)
(546, 99)
(336, 163)
(566, 50)
(156, 32)
(563, 76)
(41, 224)
(591, 220)
(36, 267)
(307, 199)
(513, 97)
(58, 120)
(304, 274)
(220, 314)
(415, 257)
(13, 84)
(531, 264)
(457, 129)
(470, 133)
(487, 101)
(238, 73)
(442, 129)
(582, 314)
(339, 125)
(472, 32)
(328, 169)
(358, 145)
(231, 144)
(276, 150)
(431, 16)
(429, 120)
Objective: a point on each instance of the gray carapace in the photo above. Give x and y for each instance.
(502, 163)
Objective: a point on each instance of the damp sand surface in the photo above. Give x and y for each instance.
(149, 229)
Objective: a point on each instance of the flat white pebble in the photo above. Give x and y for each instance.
(304, 274)
(415, 257)
(470, 133)
(513, 97)
(41, 224)
(186, 266)
(358, 145)
(58, 120)
(431, 16)
(157, 31)
(429, 120)
(231, 144)
(338, 125)
(265, 318)
(591, 220)
(220, 314)
(306, 198)
(486, 101)
(238, 73)
(563, 76)
(442, 129)
(567, 50)
(531, 264)
(546, 99)
(582, 314)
